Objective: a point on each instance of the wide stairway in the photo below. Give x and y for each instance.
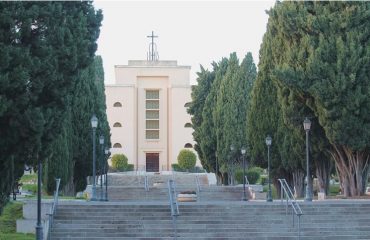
(217, 220)
(131, 188)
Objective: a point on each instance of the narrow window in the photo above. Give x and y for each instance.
(152, 114)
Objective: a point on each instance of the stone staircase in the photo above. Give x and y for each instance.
(136, 180)
(160, 193)
(329, 220)
(131, 188)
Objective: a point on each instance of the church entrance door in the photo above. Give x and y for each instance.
(152, 162)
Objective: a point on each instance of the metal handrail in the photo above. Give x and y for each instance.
(172, 198)
(173, 204)
(53, 207)
(146, 183)
(198, 183)
(291, 199)
(246, 180)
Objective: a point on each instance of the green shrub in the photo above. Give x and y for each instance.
(239, 175)
(197, 169)
(186, 159)
(252, 174)
(130, 167)
(11, 213)
(258, 169)
(119, 162)
(263, 180)
(176, 167)
(334, 189)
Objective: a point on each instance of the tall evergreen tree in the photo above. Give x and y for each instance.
(208, 144)
(325, 63)
(199, 94)
(44, 45)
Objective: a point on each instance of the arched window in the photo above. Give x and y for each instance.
(188, 125)
(188, 145)
(187, 104)
(117, 104)
(117, 124)
(117, 145)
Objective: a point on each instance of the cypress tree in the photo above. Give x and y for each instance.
(326, 65)
(199, 94)
(44, 45)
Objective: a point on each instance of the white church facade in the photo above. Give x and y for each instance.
(147, 113)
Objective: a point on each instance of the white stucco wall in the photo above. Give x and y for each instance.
(126, 115)
(132, 81)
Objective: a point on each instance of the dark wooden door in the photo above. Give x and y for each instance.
(152, 162)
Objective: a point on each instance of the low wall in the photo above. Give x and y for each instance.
(28, 223)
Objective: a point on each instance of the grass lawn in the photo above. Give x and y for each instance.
(28, 178)
(16, 236)
(12, 212)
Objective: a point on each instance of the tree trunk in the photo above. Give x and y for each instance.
(352, 168)
(298, 183)
(69, 188)
(323, 169)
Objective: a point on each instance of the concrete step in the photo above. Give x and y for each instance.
(218, 220)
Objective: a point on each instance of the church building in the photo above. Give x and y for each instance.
(146, 109)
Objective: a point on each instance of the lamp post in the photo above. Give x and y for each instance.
(268, 143)
(106, 173)
(39, 231)
(101, 141)
(307, 126)
(243, 151)
(94, 125)
(216, 169)
(231, 164)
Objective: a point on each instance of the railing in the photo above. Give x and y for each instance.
(53, 207)
(172, 198)
(173, 204)
(146, 183)
(246, 181)
(290, 199)
(198, 185)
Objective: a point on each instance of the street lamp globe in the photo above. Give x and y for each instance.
(307, 124)
(243, 150)
(232, 147)
(101, 139)
(268, 143)
(94, 122)
(268, 140)
(106, 150)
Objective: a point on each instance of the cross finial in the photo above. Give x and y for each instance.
(152, 54)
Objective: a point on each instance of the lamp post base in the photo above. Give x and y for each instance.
(269, 196)
(39, 232)
(244, 199)
(308, 197)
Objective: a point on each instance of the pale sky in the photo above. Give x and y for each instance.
(191, 32)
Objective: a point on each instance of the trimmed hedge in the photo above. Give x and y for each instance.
(120, 163)
(186, 159)
(252, 174)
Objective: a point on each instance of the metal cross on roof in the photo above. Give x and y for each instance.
(152, 54)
